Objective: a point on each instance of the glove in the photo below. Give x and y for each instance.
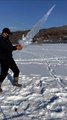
(19, 47)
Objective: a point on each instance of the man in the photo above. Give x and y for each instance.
(6, 59)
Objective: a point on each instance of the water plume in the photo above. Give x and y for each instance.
(35, 29)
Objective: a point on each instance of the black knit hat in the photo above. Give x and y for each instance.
(7, 30)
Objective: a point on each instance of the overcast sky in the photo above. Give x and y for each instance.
(23, 14)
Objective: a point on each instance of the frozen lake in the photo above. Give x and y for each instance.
(43, 74)
(35, 59)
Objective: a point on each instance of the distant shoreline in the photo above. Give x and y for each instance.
(50, 35)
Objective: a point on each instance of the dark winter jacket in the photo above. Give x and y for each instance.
(6, 48)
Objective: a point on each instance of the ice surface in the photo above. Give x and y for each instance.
(43, 74)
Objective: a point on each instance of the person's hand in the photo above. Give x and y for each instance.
(19, 47)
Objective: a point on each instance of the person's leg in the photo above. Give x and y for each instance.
(14, 68)
(3, 71)
(16, 71)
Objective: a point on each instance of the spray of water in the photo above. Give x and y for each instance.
(27, 40)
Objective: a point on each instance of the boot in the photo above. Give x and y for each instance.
(15, 82)
(0, 87)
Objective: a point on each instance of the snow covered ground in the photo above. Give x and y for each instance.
(43, 74)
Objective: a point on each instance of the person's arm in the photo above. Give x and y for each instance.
(7, 46)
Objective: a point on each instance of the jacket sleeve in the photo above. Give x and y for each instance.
(7, 46)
